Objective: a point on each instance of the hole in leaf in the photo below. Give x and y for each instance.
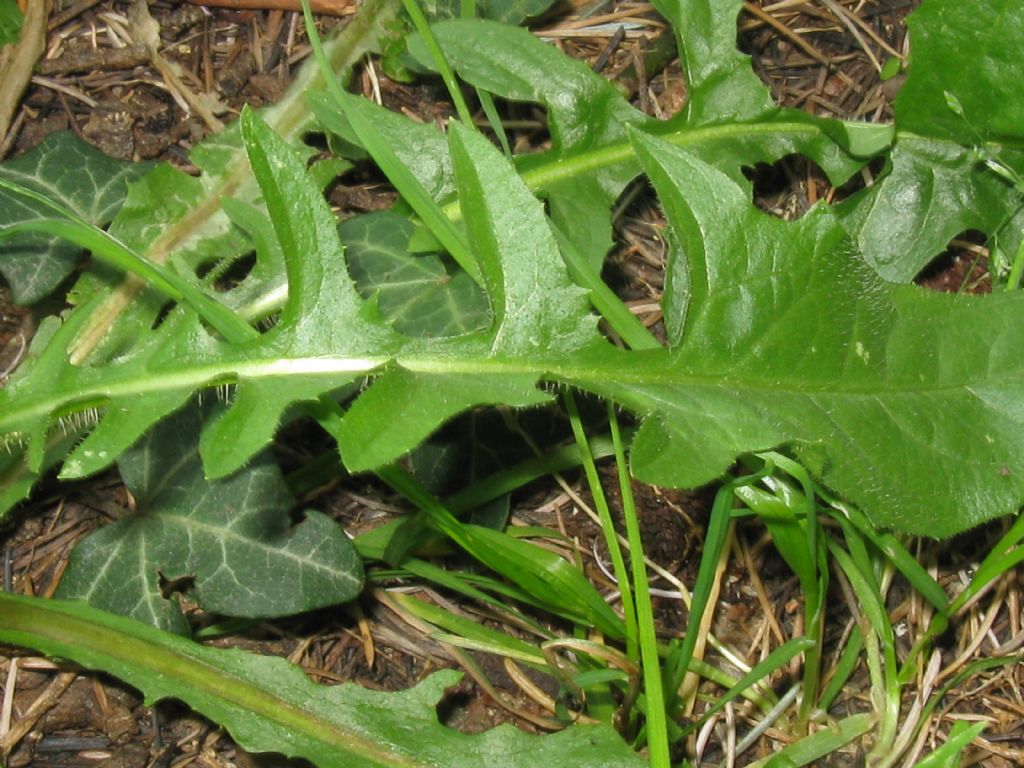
(316, 140)
(226, 275)
(165, 310)
(526, 126)
(206, 268)
(788, 187)
(267, 323)
(962, 268)
(455, 709)
(169, 587)
(635, 267)
(866, 177)
(361, 190)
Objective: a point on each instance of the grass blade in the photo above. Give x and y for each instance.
(559, 586)
(420, 22)
(819, 744)
(654, 691)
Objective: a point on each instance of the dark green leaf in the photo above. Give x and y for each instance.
(228, 544)
(417, 293)
(73, 174)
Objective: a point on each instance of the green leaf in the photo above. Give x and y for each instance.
(915, 397)
(584, 112)
(507, 11)
(417, 293)
(323, 310)
(906, 403)
(230, 542)
(420, 147)
(955, 111)
(267, 704)
(537, 309)
(824, 742)
(536, 312)
(78, 177)
(590, 161)
(951, 752)
(10, 22)
(369, 442)
(720, 81)
(547, 577)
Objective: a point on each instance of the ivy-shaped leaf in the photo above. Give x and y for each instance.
(417, 293)
(74, 174)
(229, 543)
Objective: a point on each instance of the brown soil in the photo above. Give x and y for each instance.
(108, 94)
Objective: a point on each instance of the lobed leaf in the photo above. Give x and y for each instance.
(914, 397)
(78, 177)
(906, 403)
(169, 363)
(416, 293)
(962, 105)
(537, 312)
(584, 113)
(268, 704)
(590, 162)
(229, 544)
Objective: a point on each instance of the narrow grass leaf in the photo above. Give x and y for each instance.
(437, 55)
(819, 744)
(763, 670)
(654, 692)
(548, 578)
(462, 629)
(949, 754)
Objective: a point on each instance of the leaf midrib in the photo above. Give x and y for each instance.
(616, 369)
(177, 660)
